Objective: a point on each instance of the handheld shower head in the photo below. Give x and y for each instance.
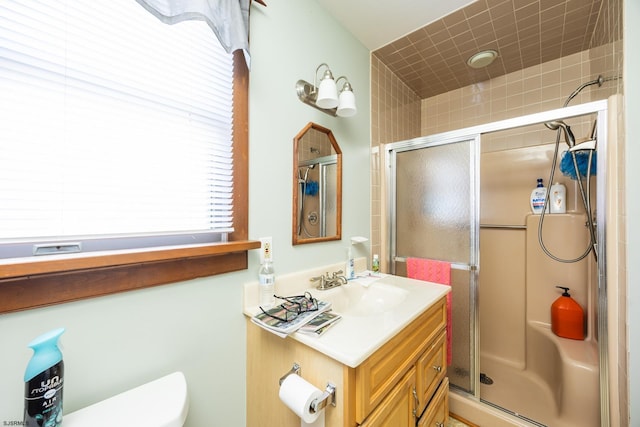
(568, 135)
(306, 173)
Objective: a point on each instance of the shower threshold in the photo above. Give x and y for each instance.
(515, 414)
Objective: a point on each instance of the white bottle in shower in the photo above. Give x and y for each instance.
(558, 198)
(538, 195)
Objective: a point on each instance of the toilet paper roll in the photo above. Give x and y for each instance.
(298, 394)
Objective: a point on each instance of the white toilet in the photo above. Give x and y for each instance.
(160, 403)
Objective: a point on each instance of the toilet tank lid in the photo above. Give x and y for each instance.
(160, 403)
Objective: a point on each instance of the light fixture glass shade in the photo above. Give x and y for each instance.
(327, 94)
(482, 59)
(347, 106)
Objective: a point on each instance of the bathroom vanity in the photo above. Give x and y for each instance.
(386, 356)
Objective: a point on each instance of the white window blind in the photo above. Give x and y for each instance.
(111, 124)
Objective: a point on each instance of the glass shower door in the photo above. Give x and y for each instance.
(434, 210)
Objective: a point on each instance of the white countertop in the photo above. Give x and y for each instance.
(357, 335)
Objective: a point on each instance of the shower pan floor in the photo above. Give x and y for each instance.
(518, 392)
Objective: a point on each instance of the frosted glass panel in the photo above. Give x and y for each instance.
(433, 219)
(331, 199)
(433, 203)
(461, 371)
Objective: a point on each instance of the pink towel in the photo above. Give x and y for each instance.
(437, 272)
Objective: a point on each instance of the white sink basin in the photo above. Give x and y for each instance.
(357, 300)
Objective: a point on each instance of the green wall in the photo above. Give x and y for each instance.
(117, 342)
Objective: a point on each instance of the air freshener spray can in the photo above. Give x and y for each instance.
(43, 382)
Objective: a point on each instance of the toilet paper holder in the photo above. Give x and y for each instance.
(328, 396)
(295, 369)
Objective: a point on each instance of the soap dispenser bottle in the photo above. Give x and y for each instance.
(375, 264)
(567, 317)
(43, 382)
(538, 197)
(350, 265)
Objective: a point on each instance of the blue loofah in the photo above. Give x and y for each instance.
(311, 188)
(582, 158)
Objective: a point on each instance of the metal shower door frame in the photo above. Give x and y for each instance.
(324, 163)
(474, 226)
(466, 134)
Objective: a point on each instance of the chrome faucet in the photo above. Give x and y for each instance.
(330, 281)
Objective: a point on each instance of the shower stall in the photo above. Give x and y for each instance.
(463, 197)
(317, 197)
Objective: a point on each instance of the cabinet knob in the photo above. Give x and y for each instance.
(437, 368)
(439, 424)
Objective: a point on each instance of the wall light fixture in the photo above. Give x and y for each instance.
(326, 97)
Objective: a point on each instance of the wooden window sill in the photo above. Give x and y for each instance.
(41, 281)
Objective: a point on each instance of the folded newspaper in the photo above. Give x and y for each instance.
(274, 321)
(320, 324)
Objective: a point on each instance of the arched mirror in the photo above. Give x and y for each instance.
(317, 186)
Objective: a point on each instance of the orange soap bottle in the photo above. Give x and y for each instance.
(567, 317)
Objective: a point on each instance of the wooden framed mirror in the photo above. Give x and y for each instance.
(317, 186)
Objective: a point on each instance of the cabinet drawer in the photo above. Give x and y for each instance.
(431, 369)
(377, 375)
(437, 413)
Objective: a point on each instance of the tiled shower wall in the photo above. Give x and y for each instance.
(395, 116)
(539, 88)
(398, 114)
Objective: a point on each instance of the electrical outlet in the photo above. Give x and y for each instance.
(266, 249)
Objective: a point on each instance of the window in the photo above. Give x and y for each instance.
(117, 128)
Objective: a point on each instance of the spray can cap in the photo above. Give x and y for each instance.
(45, 353)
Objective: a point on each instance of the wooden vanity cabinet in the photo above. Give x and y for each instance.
(418, 355)
(416, 345)
(401, 384)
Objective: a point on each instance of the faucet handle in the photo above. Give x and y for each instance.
(335, 273)
(323, 281)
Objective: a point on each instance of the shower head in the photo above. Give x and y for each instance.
(568, 135)
(306, 172)
(589, 144)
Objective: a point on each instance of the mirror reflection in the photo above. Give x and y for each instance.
(317, 186)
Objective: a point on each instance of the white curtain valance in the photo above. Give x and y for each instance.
(229, 19)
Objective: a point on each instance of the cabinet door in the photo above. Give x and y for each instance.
(398, 409)
(437, 413)
(431, 369)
